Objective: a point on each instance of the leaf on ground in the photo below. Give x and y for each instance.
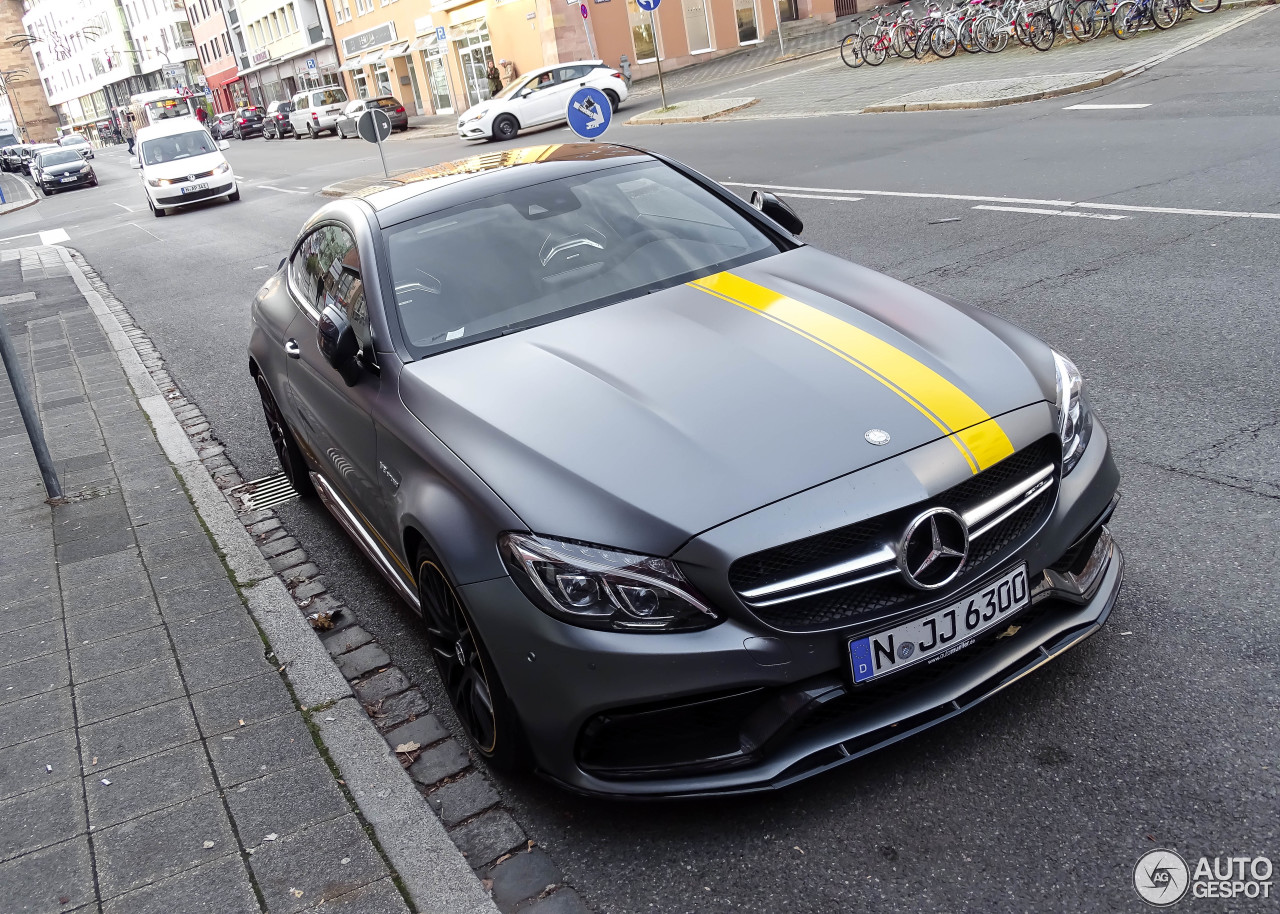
(321, 622)
(271, 837)
(296, 893)
(408, 747)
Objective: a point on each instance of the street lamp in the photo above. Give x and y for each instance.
(6, 77)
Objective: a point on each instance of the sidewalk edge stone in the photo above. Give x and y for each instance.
(437, 876)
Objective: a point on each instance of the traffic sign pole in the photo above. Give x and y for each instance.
(372, 125)
(653, 24)
(591, 45)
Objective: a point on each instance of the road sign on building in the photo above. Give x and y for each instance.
(311, 64)
(589, 113)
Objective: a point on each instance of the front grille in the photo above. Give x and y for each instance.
(882, 596)
(179, 199)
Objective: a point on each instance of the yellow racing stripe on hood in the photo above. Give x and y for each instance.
(977, 436)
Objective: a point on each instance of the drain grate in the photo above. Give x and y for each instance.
(266, 492)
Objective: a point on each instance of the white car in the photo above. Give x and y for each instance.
(181, 163)
(317, 110)
(78, 143)
(539, 97)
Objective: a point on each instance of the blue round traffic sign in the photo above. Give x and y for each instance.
(648, 5)
(589, 113)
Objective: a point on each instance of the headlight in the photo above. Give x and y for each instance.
(222, 169)
(1075, 423)
(476, 116)
(83, 169)
(154, 182)
(598, 587)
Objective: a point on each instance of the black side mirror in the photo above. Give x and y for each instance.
(337, 339)
(779, 212)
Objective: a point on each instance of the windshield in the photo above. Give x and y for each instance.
(328, 97)
(518, 85)
(72, 140)
(59, 157)
(540, 253)
(175, 147)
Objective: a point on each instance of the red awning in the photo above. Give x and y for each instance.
(220, 78)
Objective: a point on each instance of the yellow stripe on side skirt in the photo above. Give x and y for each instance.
(978, 437)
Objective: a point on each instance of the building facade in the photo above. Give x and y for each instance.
(23, 103)
(92, 55)
(433, 54)
(214, 50)
(287, 46)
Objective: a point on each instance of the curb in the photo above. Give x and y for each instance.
(7, 208)
(651, 117)
(1086, 85)
(437, 818)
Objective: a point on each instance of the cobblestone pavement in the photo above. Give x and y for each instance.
(824, 85)
(152, 758)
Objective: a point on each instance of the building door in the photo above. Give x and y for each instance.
(474, 53)
(438, 80)
(695, 25)
(787, 11)
(413, 84)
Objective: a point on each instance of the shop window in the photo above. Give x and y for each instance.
(642, 37)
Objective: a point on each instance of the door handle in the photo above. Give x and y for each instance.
(292, 349)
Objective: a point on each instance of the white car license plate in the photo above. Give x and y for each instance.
(65, 180)
(942, 632)
(192, 188)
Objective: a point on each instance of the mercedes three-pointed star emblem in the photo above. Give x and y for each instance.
(933, 549)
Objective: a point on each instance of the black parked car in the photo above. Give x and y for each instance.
(276, 125)
(247, 122)
(221, 125)
(30, 151)
(390, 105)
(9, 156)
(54, 169)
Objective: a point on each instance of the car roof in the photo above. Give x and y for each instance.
(73, 136)
(567, 63)
(436, 187)
(171, 126)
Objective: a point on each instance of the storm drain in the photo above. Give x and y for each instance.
(266, 492)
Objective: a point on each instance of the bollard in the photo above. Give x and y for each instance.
(28, 410)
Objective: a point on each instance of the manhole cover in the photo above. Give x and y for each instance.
(266, 492)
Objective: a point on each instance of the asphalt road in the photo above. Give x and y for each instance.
(1161, 731)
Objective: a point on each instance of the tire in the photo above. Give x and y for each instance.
(924, 42)
(851, 51)
(467, 671)
(505, 127)
(341, 135)
(1206, 6)
(1126, 21)
(943, 41)
(234, 196)
(1166, 13)
(992, 34)
(292, 463)
(968, 40)
(297, 135)
(873, 52)
(1041, 32)
(158, 211)
(237, 134)
(311, 132)
(613, 101)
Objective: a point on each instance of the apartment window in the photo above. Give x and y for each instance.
(275, 25)
(293, 21)
(364, 6)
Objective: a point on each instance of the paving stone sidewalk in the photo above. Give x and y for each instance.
(152, 757)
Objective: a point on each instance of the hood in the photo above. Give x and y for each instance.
(642, 424)
(180, 168)
(65, 167)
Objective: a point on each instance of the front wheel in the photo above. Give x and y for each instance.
(1126, 20)
(613, 102)
(234, 195)
(851, 51)
(1206, 6)
(297, 135)
(292, 463)
(943, 41)
(1166, 13)
(467, 672)
(1040, 32)
(505, 127)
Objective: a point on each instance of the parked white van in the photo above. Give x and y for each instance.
(317, 110)
(181, 163)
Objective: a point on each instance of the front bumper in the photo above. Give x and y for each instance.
(475, 130)
(56, 183)
(741, 707)
(218, 187)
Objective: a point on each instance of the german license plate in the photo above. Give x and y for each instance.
(65, 180)
(942, 632)
(192, 188)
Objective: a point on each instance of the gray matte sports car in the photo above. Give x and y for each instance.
(686, 506)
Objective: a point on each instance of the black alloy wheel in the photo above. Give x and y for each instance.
(505, 127)
(288, 453)
(465, 670)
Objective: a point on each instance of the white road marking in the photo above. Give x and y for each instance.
(1168, 210)
(54, 236)
(301, 188)
(1104, 107)
(16, 237)
(263, 267)
(1050, 212)
(283, 190)
(141, 229)
(824, 197)
(127, 209)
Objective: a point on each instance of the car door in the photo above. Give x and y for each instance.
(350, 115)
(539, 105)
(333, 418)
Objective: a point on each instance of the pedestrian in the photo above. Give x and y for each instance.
(201, 114)
(127, 126)
(495, 79)
(508, 71)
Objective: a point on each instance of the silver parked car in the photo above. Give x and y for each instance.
(685, 506)
(388, 104)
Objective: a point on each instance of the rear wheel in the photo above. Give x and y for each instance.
(1166, 13)
(943, 41)
(505, 127)
(288, 453)
(873, 52)
(1206, 6)
(1041, 32)
(968, 40)
(467, 672)
(609, 94)
(1126, 20)
(311, 131)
